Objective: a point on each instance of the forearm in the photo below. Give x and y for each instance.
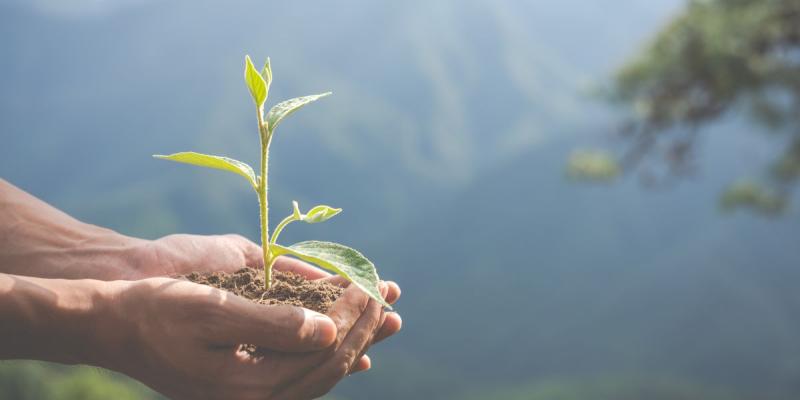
(64, 321)
(37, 239)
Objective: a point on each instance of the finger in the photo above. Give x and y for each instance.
(181, 253)
(250, 253)
(276, 327)
(391, 325)
(344, 313)
(347, 310)
(299, 267)
(337, 281)
(364, 363)
(384, 288)
(393, 294)
(227, 253)
(322, 379)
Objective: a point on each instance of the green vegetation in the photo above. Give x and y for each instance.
(718, 56)
(752, 195)
(335, 257)
(592, 165)
(31, 380)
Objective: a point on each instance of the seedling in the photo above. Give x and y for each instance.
(335, 257)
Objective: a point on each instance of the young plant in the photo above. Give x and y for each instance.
(335, 257)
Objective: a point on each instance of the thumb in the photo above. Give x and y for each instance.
(277, 327)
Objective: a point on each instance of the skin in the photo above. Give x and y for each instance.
(76, 293)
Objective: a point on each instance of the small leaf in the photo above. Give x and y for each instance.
(315, 215)
(320, 214)
(344, 261)
(283, 109)
(266, 73)
(255, 82)
(223, 163)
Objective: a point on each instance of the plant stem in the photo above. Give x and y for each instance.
(279, 228)
(263, 200)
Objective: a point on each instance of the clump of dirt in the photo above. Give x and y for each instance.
(287, 288)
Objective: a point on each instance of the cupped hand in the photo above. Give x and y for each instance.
(182, 339)
(182, 253)
(391, 322)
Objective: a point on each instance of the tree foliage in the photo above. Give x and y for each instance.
(718, 56)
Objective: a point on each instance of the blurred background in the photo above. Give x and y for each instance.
(581, 199)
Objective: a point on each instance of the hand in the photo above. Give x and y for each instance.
(181, 254)
(181, 339)
(178, 254)
(391, 322)
(39, 240)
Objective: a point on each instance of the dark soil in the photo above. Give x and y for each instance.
(287, 288)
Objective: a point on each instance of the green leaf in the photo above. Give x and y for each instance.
(266, 73)
(342, 260)
(255, 82)
(283, 109)
(315, 215)
(223, 163)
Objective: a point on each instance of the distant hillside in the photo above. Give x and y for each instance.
(526, 276)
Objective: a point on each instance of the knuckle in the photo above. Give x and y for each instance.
(363, 303)
(339, 371)
(349, 357)
(295, 319)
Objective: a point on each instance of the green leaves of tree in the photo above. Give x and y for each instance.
(285, 108)
(340, 259)
(256, 82)
(592, 165)
(217, 162)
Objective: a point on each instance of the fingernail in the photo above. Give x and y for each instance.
(384, 289)
(324, 330)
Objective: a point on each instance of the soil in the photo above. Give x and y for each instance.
(287, 288)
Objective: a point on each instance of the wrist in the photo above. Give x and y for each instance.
(54, 320)
(112, 256)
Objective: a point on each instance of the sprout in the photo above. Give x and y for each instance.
(335, 257)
